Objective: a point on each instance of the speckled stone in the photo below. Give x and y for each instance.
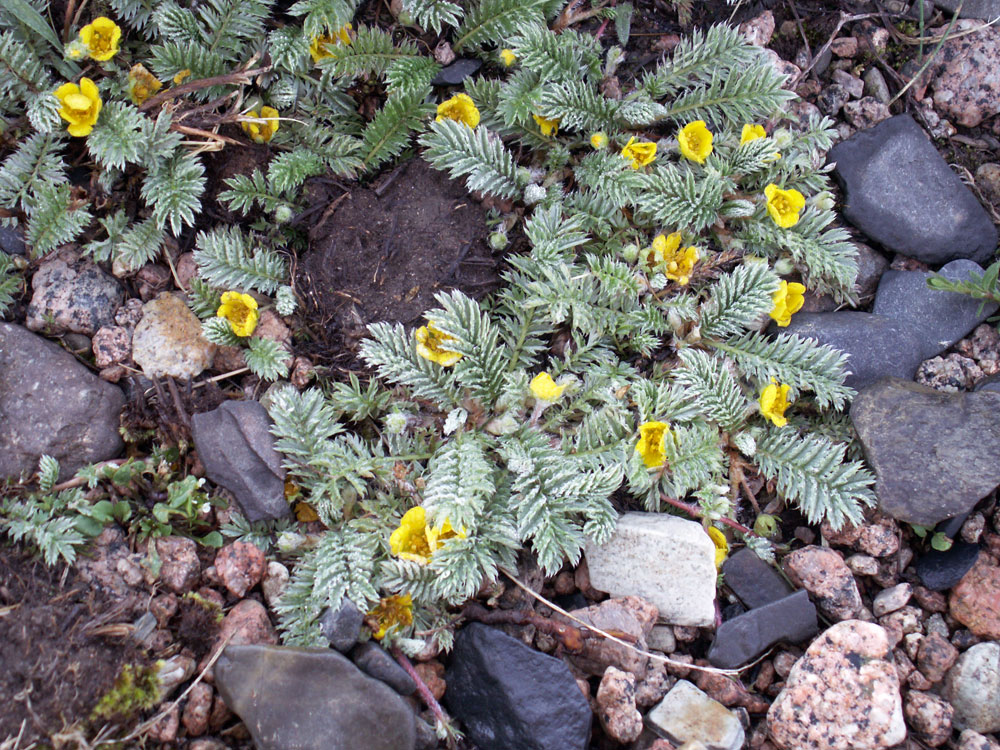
(240, 565)
(616, 706)
(72, 297)
(972, 687)
(687, 714)
(929, 717)
(631, 616)
(975, 601)
(966, 77)
(666, 560)
(843, 694)
(168, 340)
(825, 575)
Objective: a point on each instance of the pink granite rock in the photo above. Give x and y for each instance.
(823, 573)
(240, 565)
(616, 706)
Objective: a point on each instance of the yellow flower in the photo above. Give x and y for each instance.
(508, 57)
(305, 513)
(429, 340)
(241, 312)
(788, 300)
(80, 106)
(265, 127)
(667, 255)
(752, 133)
(415, 541)
(641, 154)
(459, 108)
(548, 127)
(101, 36)
(545, 388)
(774, 401)
(181, 75)
(142, 84)
(317, 48)
(784, 205)
(390, 611)
(652, 443)
(695, 141)
(721, 545)
(599, 141)
(409, 541)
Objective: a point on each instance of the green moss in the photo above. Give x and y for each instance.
(136, 688)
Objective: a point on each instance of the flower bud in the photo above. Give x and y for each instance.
(630, 252)
(534, 194)
(782, 138)
(766, 525)
(282, 214)
(498, 241)
(783, 266)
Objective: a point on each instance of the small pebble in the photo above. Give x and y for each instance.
(862, 565)
(783, 663)
(889, 600)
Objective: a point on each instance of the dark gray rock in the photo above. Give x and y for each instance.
(376, 662)
(51, 404)
(984, 9)
(940, 571)
(458, 71)
(744, 638)
(877, 347)
(754, 581)
(12, 241)
(73, 297)
(311, 699)
(903, 195)
(992, 383)
(942, 317)
(934, 454)
(509, 696)
(238, 453)
(871, 266)
(341, 626)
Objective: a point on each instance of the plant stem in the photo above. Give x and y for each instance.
(696, 513)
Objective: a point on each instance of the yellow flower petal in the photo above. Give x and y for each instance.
(641, 154)
(695, 141)
(429, 339)
(788, 300)
(241, 312)
(545, 388)
(652, 443)
(774, 402)
(101, 38)
(721, 545)
(409, 541)
(784, 205)
(752, 133)
(318, 46)
(142, 84)
(548, 127)
(265, 127)
(508, 57)
(599, 141)
(459, 108)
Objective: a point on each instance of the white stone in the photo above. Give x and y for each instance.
(973, 688)
(661, 638)
(687, 714)
(666, 560)
(275, 583)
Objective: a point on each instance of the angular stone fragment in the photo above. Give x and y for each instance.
(943, 317)
(940, 571)
(311, 699)
(877, 347)
(509, 696)
(663, 559)
(168, 340)
(975, 601)
(754, 581)
(342, 625)
(51, 404)
(630, 616)
(687, 714)
(824, 574)
(843, 693)
(744, 638)
(902, 194)
(934, 454)
(458, 71)
(237, 450)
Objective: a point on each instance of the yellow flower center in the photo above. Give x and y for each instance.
(78, 103)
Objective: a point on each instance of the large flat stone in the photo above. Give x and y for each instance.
(903, 195)
(984, 9)
(742, 639)
(934, 454)
(311, 699)
(877, 347)
(51, 404)
(666, 560)
(237, 449)
(507, 695)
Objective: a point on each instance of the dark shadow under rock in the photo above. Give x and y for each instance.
(382, 255)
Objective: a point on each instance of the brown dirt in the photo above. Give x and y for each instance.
(53, 671)
(384, 252)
